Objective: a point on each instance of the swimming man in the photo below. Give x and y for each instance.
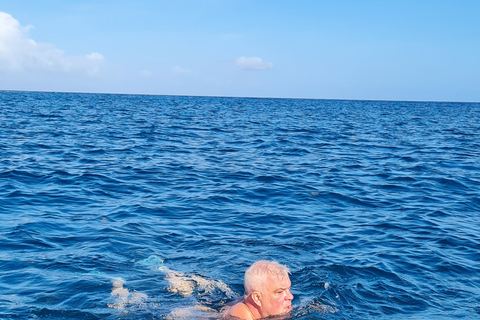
(267, 292)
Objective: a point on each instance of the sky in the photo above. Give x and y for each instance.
(419, 50)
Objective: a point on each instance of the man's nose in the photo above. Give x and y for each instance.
(289, 295)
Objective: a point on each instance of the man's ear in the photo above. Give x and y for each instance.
(257, 298)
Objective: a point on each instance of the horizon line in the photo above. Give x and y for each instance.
(234, 97)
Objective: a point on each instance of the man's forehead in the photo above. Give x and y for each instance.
(279, 280)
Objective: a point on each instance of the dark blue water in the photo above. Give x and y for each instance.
(152, 207)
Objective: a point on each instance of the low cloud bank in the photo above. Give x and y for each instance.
(178, 69)
(19, 53)
(253, 63)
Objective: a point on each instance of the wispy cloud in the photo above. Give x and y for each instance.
(18, 52)
(253, 63)
(178, 69)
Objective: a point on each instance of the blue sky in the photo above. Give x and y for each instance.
(337, 49)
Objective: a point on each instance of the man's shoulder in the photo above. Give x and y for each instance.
(240, 311)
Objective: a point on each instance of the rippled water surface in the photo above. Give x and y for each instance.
(152, 207)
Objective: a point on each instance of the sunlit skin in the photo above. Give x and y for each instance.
(273, 298)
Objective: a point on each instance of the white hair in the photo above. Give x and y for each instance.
(256, 275)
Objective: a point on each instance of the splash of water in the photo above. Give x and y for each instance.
(153, 262)
(124, 297)
(185, 285)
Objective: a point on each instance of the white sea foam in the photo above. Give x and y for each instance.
(124, 297)
(186, 285)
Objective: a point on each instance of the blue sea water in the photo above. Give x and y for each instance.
(152, 207)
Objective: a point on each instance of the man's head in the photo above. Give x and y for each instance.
(267, 285)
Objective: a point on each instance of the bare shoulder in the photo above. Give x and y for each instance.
(240, 311)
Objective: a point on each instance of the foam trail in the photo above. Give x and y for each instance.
(184, 284)
(124, 297)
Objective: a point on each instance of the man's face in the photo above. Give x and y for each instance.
(276, 298)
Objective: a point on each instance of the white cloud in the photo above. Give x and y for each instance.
(253, 63)
(95, 56)
(178, 69)
(20, 53)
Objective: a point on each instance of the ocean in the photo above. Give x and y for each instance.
(152, 207)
